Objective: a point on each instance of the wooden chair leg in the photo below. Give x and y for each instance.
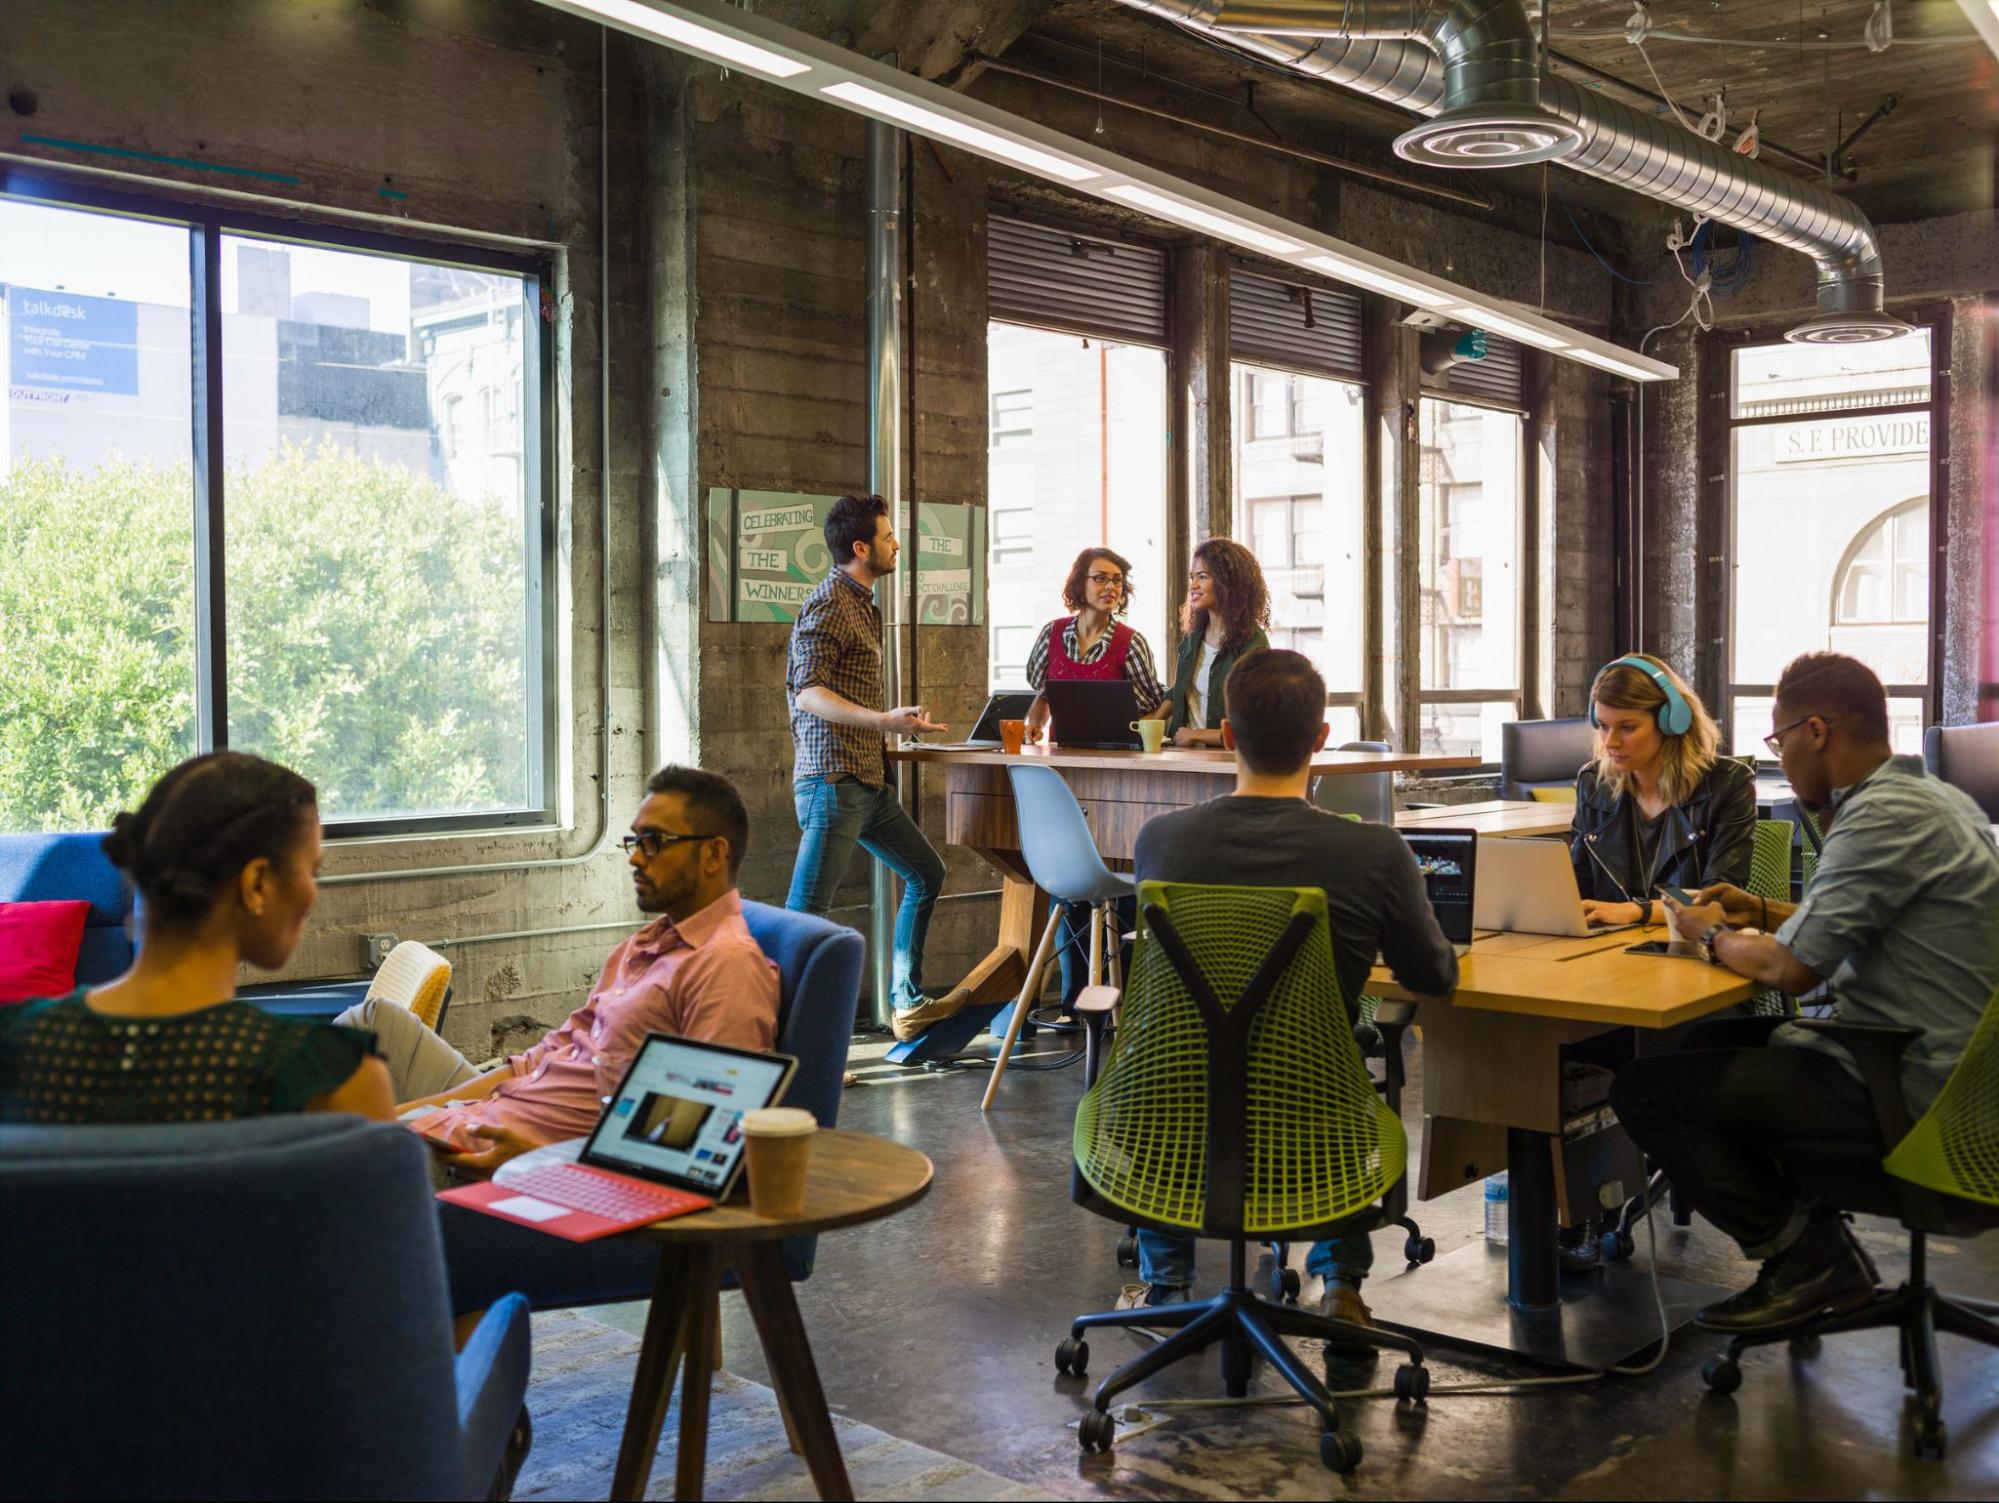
(1116, 957)
(652, 1383)
(1097, 945)
(1030, 992)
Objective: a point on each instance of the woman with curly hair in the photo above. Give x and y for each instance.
(1091, 642)
(1227, 608)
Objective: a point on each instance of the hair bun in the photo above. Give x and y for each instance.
(121, 846)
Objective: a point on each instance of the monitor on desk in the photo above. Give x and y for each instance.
(1448, 860)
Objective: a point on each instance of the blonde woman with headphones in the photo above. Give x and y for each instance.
(1659, 804)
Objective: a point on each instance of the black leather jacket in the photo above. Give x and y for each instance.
(1708, 838)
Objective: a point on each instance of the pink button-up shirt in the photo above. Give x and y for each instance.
(703, 979)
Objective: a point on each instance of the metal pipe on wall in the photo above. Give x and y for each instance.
(885, 192)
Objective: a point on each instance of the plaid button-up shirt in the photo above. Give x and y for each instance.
(837, 644)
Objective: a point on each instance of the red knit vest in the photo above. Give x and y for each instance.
(1109, 666)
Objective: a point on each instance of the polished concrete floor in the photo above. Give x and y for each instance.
(940, 1325)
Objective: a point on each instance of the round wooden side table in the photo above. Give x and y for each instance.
(854, 1178)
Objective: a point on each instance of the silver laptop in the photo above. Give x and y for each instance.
(1007, 704)
(1529, 887)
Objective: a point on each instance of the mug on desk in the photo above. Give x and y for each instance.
(1151, 733)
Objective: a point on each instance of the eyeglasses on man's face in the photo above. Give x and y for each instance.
(1775, 740)
(652, 842)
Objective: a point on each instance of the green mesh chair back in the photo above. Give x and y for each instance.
(1954, 1148)
(1219, 1112)
(1770, 877)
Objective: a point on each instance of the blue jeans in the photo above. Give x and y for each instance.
(835, 817)
(1073, 944)
(1165, 1259)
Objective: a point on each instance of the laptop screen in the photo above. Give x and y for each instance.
(677, 1115)
(1448, 860)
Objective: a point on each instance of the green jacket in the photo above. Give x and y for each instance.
(1183, 680)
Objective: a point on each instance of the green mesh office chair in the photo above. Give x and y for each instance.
(1233, 1104)
(1770, 877)
(1942, 1178)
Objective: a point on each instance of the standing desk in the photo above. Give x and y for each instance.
(1492, 1100)
(1119, 791)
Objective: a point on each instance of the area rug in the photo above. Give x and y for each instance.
(582, 1380)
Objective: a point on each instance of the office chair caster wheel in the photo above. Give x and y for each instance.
(1072, 1357)
(1930, 1436)
(1616, 1247)
(1412, 1383)
(1284, 1285)
(1340, 1450)
(1723, 1374)
(1419, 1250)
(1127, 1250)
(1097, 1431)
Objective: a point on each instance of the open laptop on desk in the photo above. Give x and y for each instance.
(1093, 713)
(1529, 887)
(670, 1141)
(1007, 704)
(1448, 860)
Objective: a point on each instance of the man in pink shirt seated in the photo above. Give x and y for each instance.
(694, 971)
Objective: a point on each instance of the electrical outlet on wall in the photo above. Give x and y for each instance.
(375, 949)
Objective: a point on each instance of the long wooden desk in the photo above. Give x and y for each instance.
(1497, 818)
(1119, 791)
(1492, 1098)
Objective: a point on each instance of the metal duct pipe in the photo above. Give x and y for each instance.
(886, 479)
(1490, 114)
(1650, 155)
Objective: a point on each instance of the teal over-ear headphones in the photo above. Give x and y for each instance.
(1675, 716)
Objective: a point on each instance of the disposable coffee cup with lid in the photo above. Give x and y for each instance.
(777, 1141)
(779, 1122)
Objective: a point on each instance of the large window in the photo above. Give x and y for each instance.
(271, 489)
(1468, 561)
(1299, 494)
(1831, 526)
(1077, 457)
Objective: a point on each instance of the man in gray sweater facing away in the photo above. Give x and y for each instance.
(1268, 834)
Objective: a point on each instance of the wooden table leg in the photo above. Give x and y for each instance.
(702, 1327)
(652, 1383)
(788, 1351)
(998, 975)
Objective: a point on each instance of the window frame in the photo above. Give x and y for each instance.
(207, 222)
(1523, 535)
(1722, 349)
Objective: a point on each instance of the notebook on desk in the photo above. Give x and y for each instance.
(669, 1142)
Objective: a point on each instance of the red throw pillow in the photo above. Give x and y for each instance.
(38, 945)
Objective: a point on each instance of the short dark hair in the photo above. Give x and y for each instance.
(714, 806)
(851, 521)
(1078, 581)
(1833, 686)
(1275, 703)
(201, 824)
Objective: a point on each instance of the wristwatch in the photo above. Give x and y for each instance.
(1706, 943)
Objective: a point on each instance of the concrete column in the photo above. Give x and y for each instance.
(1199, 407)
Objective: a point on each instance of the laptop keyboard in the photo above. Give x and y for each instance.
(614, 1199)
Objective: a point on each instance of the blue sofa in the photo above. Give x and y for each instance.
(42, 868)
(239, 1310)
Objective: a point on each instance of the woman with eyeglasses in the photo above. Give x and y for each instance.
(1223, 620)
(1091, 643)
(1658, 804)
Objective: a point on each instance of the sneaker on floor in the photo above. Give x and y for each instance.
(1824, 1272)
(1580, 1247)
(912, 1022)
(1341, 1301)
(1145, 1296)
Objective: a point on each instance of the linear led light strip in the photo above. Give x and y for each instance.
(807, 65)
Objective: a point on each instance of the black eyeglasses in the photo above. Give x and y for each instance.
(1100, 580)
(652, 842)
(1775, 740)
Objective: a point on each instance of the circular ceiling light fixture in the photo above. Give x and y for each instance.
(1848, 328)
(1489, 135)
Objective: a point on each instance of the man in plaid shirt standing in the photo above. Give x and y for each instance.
(833, 680)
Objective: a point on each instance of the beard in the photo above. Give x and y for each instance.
(656, 899)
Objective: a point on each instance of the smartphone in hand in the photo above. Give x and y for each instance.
(1678, 894)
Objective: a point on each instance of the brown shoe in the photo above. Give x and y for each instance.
(1342, 1302)
(912, 1022)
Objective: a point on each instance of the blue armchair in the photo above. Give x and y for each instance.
(239, 1310)
(819, 986)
